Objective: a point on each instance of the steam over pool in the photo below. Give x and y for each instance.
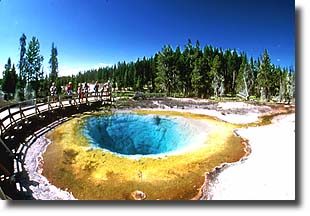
(141, 135)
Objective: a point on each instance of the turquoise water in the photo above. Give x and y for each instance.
(132, 134)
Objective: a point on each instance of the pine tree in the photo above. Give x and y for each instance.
(196, 77)
(188, 63)
(138, 75)
(256, 87)
(206, 71)
(22, 63)
(53, 64)
(167, 74)
(290, 93)
(14, 80)
(196, 74)
(153, 72)
(34, 62)
(280, 79)
(253, 77)
(227, 69)
(9, 79)
(8, 65)
(237, 61)
(180, 68)
(216, 76)
(263, 76)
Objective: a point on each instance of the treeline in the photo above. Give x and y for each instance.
(192, 72)
(203, 73)
(30, 81)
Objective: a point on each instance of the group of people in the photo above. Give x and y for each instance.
(82, 90)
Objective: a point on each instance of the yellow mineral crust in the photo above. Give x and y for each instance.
(95, 174)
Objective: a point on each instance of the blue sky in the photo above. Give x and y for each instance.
(96, 33)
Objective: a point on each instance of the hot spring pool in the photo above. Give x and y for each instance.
(164, 154)
(130, 134)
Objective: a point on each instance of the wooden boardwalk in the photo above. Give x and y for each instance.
(23, 122)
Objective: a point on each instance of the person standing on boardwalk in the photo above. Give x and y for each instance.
(53, 92)
(96, 89)
(69, 91)
(80, 92)
(86, 90)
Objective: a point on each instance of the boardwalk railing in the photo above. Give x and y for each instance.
(11, 115)
(17, 118)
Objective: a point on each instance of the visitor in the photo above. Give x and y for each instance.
(109, 89)
(69, 91)
(86, 90)
(53, 92)
(103, 89)
(96, 89)
(80, 92)
(106, 88)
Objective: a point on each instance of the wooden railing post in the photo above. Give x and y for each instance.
(22, 115)
(74, 101)
(49, 107)
(6, 148)
(59, 100)
(3, 196)
(2, 127)
(12, 120)
(35, 106)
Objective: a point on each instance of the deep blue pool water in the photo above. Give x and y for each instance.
(132, 134)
